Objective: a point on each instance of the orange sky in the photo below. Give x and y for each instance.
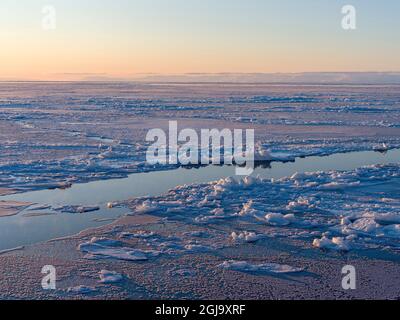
(130, 37)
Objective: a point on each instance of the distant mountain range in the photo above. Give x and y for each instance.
(295, 78)
(278, 78)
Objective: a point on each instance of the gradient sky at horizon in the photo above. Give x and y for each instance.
(125, 37)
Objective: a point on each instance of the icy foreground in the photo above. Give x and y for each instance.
(241, 239)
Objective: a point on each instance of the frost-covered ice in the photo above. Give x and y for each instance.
(138, 234)
(146, 207)
(10, 208)
(11, 250)
(246, 236)
(76, 209)
(81, 290)
(277, 219)
(245, 266)
(197, 248)
(108, 277)
(54, 136)
(57, 134)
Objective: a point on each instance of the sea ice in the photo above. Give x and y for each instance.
(138, 234)
(81, 290)
(355, 212)
(278, 219)
(10, 208)
(246, 236)
(244, 266)
(104, 248)
(387, 218)
(248, 209)
(146, 207)
(76, 209)
(337, 243)
(108, 277)
(197, 248)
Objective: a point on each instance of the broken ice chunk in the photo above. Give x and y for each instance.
(76, 209)
(387, 218)
(146, 207)
(337, 243)
(244, 266)
(138, 234)
(278, 219)
(104, 249)
(246, 236)
(108, 277)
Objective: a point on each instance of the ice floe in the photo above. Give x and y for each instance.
(278, 219)
(336, 243)
(146, 207)
(89, 137)
(197, 248)
(137, 234)
(11, 250)
(81, 290)
(10, 208)
(304, 205)
(76, 209)
(111, 249)
(248, 209)
(246, 236)
(387, 218)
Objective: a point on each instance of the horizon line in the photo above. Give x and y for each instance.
(307, 77)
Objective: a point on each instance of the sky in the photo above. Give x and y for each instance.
(121, 38)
